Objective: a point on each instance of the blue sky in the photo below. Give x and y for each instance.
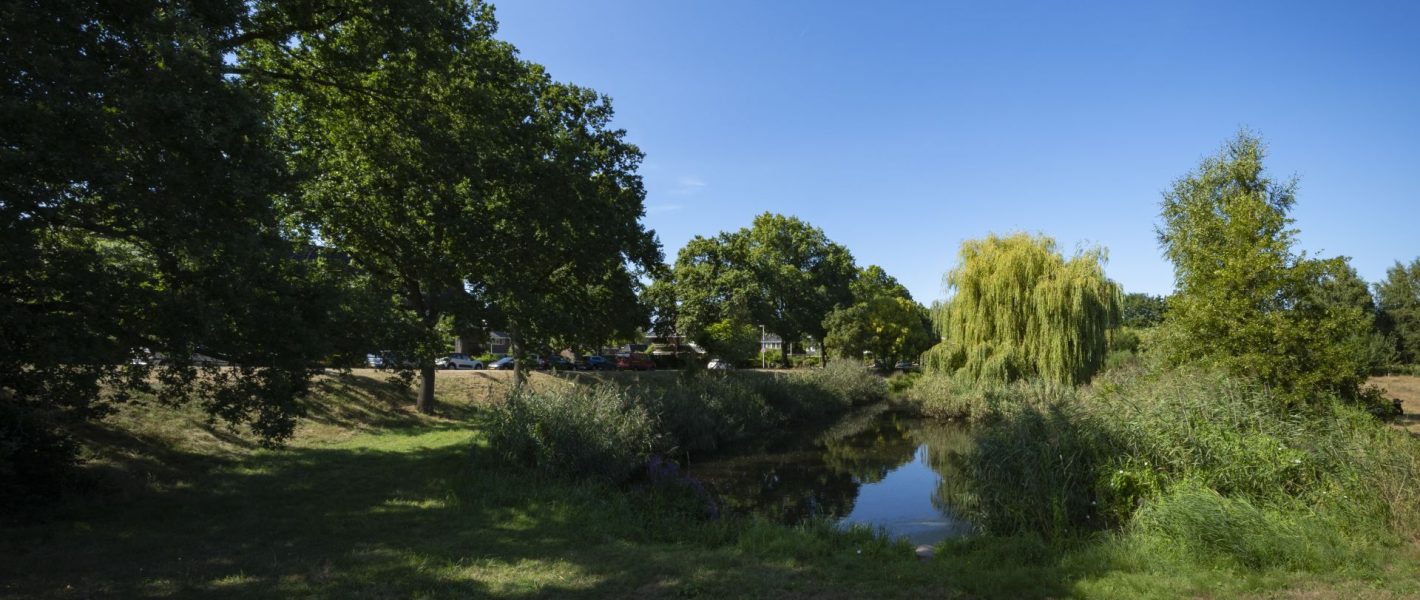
(903, 128)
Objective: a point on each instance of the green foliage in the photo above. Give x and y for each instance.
(609, 431)
(1019, 310)
(893, 328)
(1399, 306)
(942, 396)
(1212, 528)
(735, 341)
(138, 182)
(701, 412)
(474, 186)
(601, 432)
(781, 273)
(1245, 300)
(1199, 459)
(1140, 310)
(850, 383)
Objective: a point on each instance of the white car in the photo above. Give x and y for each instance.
(719, 365)
(458, 361)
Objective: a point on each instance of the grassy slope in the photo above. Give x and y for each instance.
(372, 500)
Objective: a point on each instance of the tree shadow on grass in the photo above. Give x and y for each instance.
(425, 519)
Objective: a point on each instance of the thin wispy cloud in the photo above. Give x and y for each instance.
(688, 185)
(663, 208)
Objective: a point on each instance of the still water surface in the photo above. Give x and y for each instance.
(875, 467)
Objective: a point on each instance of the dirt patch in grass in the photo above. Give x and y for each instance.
(1407, 389)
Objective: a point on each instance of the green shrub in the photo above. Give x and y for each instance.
(610, 432)
(945, 397)
(793, 395)
(799, 361)
(850, 383)
(900, 383)
(1189, 455)
(601, 432)
(705, 410)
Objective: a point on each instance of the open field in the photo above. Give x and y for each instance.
(372, 500)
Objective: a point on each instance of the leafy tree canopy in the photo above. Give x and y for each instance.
(883, 320)
(1245, 299)
(1399, 307)
(438, 160)
(780, 272)
(137, 180)
(1018, 309)
(1140, 310)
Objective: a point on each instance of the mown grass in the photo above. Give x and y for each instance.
(374, 501)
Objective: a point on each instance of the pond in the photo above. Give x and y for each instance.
(875, 467)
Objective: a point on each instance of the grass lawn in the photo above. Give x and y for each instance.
(371, 500)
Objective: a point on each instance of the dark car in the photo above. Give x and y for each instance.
(558, 363)
(502, 364)
(635, 362)
(595, 363)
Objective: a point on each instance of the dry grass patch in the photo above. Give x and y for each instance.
(1407, 389)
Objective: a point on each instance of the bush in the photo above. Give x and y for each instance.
(705, 410)
(1183, 454)
(799, 361)
(601, 432)
(850, 383)
(610, 432)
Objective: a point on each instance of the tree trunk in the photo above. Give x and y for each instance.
(519, 374)
(425, 404)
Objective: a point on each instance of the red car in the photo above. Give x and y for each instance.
(635, 362)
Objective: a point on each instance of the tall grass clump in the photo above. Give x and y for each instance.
(943, 396)
(848, 382)
(611, 432)
(816, 394)
(1203, 461)
(601, 432)
(704, 411)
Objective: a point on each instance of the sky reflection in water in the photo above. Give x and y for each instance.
(875, 467)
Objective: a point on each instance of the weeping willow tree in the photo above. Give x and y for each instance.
(1019, 309)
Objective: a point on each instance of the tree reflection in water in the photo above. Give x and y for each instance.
(820, 473)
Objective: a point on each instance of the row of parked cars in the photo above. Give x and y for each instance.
(456, 361)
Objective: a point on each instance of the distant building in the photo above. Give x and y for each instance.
(497, 343)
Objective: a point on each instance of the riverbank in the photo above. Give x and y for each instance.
(373, 500)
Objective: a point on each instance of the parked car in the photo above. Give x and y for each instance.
(558, 362)
(458, 361)
(502, 364)
(719, 364)
(148, 357)
(375, 361)
(634, 362)
(595, 363)
(906, 366)
(389, 360)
